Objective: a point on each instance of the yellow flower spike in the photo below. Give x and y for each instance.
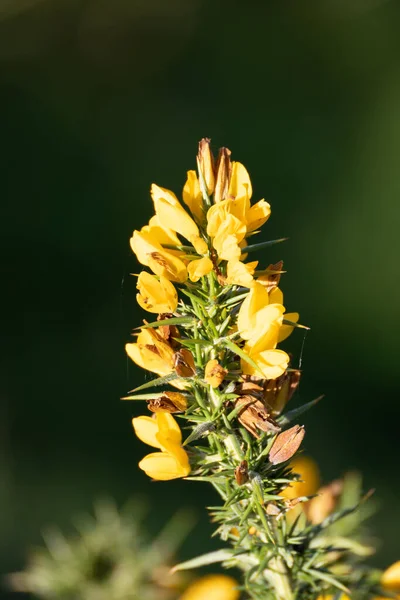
(150, 253)
(212, 587)
(199, 268)
(156, 296)
(239, 273)
(173, 216)
(205, 164)
(193, 197)
(240, 184)
(390, 579)
(257, 215)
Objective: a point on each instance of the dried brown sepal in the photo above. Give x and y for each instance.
(168, 332)
(184, 363)
(271, 276)
(214, 373)
(278, 392)
(171, 402)
(242, 473)
(286, 444)
(223, 174)
(322, 505)
(250, 387)
(254, 417)
(205, 163)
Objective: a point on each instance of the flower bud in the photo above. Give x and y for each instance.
(170, 402)
(286, 444)
(184, 363)
(205, 163)
(214, 374)
(242, 473)
(223, 175)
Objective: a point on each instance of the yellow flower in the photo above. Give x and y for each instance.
(390, 579)
(156, 296)
(230, 233)
(192, 196)
(239, 273)
(152, 352)
(150, 253)
(162, 432)
(271, 363)
(257, 314)
(257, 215)
(162, 234)
(199, 268)
(309, 479)
(212, 587)
(173, 216)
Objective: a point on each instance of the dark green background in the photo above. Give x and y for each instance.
(101, 98)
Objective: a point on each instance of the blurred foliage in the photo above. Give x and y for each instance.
(99, 99)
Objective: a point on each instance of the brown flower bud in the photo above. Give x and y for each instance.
(168, 332)
(205, 164)
(171, 402)
(321, 506)
(242, 473)
(278, 392)
(223, 174)
(214, 374)
(184, 363)
(254, 417)
(286, 444)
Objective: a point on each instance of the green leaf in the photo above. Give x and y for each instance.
(171, 321)
(234, 348)
(158, 381)
(210, 558)
(143, 396)
(291, 415)
(262, 245)
(322, 575)
(293, 324)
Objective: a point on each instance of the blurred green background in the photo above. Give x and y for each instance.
(100, 98)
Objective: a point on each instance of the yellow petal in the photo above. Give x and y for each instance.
(286, 330)
(164, 466)
(257, 215)
(309, 478)
(275, 296)
(149, 252)
(199, 268)
(230, 233)
(391, 578)
(266, 331)
(212, 587)
(168, 428)
(254, 301)
(156, 296)
(240, 184)
(146, 430)
(172, 215)
(272, 363)
(239, 273)
(192, 196)
(162, 234)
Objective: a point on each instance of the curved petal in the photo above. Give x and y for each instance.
(286, 330)
(146, 429)
(163, 466)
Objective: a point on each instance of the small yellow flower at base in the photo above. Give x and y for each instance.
(390, 579)
(212, 587)
(162, 432)
(198, 268)
(239, 273)
(156, 296)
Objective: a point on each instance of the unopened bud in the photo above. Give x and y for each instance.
(214, 374)
(242, 473)
(286, 444)
(171, 402)
(223, 174)
(184, 363)
(205, 163)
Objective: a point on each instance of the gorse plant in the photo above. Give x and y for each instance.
(216, 345)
